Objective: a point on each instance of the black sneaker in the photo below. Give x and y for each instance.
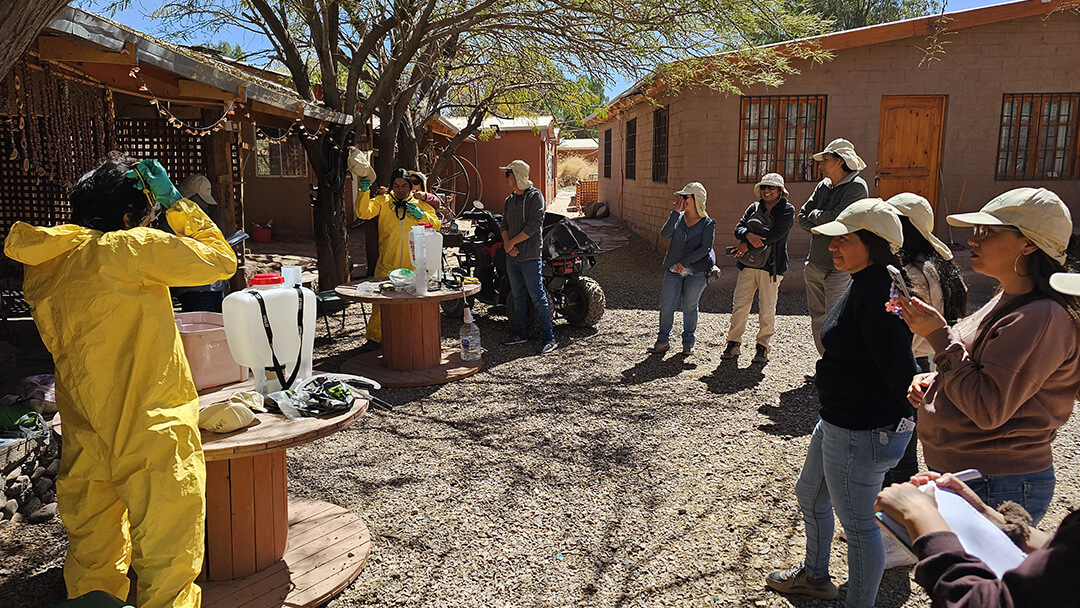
(732, 351)
(514, 339)
(797, 581)
(548, 346)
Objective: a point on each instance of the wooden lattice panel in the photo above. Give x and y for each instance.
(180, 153)
(586, 193)
(29, 198)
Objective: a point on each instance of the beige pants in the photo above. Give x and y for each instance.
(750, 281)
(823, 288)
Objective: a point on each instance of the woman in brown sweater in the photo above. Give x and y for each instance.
(1007, 375)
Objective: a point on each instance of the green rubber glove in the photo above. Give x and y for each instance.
(365, 184)
(414, 210)
(150, 175)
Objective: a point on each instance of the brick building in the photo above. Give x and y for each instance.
(1000, 109)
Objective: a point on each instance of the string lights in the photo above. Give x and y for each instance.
(219, 124)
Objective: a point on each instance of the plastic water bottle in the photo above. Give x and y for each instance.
(470, 338)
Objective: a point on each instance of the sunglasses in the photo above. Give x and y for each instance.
(768, 188)
(684, 196)
(509, 173)
(983, 232)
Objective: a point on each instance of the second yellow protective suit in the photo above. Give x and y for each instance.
(132, 477)
(393, 241)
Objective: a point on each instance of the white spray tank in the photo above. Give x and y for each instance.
(247, 335)
(433, 243)
(418, 257)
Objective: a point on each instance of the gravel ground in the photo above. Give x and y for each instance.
(594, 476)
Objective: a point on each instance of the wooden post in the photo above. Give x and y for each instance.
(226, 186)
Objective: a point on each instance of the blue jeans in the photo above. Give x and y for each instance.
(678, 289)
(1033, 491)
(527, 284)
(843, 471)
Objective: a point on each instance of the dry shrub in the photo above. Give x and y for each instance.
(573, 168)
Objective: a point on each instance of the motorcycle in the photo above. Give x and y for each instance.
(567, 253)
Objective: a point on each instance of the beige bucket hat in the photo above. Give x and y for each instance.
(917, 210)
(770, 179)
(871, 214)
(845, 150)
(699, 193)
(360, 163)
(1038, 213)
(521, 173)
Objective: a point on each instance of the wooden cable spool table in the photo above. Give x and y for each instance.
(264, 549)
(412, 352)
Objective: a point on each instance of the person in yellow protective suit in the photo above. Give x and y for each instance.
(398, 211)
(132, 479)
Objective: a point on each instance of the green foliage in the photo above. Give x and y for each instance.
(848, 14)
(228, 50)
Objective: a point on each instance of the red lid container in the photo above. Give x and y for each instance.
(268, 278)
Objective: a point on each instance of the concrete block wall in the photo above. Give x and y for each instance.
(1029, 55)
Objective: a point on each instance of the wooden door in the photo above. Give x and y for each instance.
(909, 147)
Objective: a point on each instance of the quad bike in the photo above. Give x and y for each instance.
(567, 252)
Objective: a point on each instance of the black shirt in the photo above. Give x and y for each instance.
(863, 377)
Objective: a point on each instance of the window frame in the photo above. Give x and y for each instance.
(749, 167)
(1030, 162)
(661, 131)
(607, 153)
(630, 164)
(279, 153)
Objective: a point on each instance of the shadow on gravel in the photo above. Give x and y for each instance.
(43, 588)
(795, 416)
(728, 378)
(655, 367)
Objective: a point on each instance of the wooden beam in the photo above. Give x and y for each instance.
(265, 108)
(194, 88)
(60, 49)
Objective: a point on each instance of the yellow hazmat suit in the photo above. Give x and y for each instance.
(132, 480)
(393, 241)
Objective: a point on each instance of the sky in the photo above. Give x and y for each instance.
(136, 16)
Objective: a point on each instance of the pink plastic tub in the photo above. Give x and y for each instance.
(203, 335)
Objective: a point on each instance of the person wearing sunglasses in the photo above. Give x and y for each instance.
(132, 477)
(1007, 375)
(686, 265)
(765, 224)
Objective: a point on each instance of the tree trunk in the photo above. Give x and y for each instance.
(331, 238)
(20, 23)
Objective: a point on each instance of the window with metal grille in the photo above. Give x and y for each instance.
(660, 145)
(607, 153)
(780, 134)
(1039, 137)
(631, 149)
(282, 159)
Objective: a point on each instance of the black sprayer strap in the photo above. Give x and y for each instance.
(279, 370)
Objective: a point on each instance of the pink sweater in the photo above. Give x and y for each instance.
(1000, 412)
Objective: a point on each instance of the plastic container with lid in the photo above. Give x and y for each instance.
(266, 280)
(419, 259)
(247, 337)
(207, 350)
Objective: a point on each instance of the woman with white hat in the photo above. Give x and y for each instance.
(840, 187)
(934, 279)
(866, 424)
(1007, 375)
(763, 230)
(686, 264)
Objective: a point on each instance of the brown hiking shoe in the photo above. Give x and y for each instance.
(796, 580)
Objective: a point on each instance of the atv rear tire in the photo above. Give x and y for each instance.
(455, 309)
(584, 302)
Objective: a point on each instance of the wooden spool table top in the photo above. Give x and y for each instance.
(366, 291)
(269, 432)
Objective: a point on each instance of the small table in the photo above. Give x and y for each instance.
(260, 544)
(412, 352)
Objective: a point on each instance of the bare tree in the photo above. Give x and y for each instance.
(20, 23)
(399, 60)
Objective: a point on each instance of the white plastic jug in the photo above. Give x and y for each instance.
(433, 242)
(248, 341)
(418, 257)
